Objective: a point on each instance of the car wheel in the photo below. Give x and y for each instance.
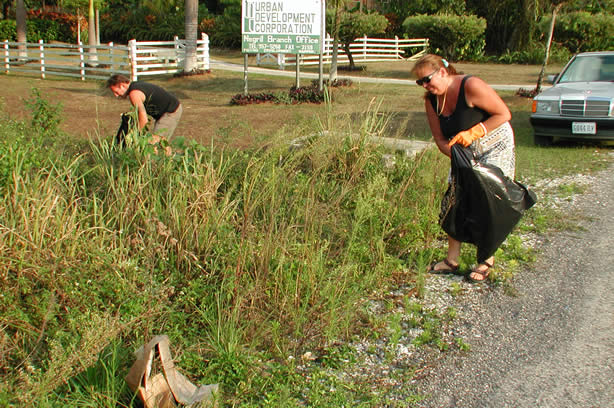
(542, 140)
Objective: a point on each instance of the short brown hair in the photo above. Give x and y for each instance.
(117, 79)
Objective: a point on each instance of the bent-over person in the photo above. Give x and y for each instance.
(149, 100)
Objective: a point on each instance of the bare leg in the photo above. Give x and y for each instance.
(454, 248)
(481, 272)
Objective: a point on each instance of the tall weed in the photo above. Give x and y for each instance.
(240, 257)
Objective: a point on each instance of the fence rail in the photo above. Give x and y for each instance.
(363, 49)
(138, 58)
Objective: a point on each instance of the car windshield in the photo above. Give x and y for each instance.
(588, 68)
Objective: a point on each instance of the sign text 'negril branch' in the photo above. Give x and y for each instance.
(287, 26)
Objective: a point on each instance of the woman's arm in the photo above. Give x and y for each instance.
(481, 95)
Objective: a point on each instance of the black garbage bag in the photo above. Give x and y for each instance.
(481, 205)
(124, 128)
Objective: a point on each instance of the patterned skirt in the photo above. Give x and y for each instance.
(497, 148)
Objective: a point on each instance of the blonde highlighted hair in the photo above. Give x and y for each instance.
(434, 62)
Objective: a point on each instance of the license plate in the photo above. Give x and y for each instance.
(584, 128)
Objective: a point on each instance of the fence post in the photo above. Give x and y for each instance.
(6, 56)
(396, 47)
(41, 54)
(206, 60)
(81, 61)
(281, 61)
(111, 56)
(133, 62)
(364, 48)
(177, 48)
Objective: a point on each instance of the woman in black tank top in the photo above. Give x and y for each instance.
(462, 109)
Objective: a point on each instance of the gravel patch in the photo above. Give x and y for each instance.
(495, 340)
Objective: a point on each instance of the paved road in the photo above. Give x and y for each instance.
(215, 64)
(552, 345)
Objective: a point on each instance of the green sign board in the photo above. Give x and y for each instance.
(284, 27)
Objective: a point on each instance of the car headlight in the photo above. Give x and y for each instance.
(545, 106)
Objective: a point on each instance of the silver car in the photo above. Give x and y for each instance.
(580, 103)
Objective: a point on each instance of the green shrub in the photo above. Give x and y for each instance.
(23, 148)
(46, 116)
(46, 30)
(303, 94)
(44, 26)
(453, 37)
(534, 54)
(62, 27)
(8, 30)
(142, 23)
(227, 28)
(581, 31)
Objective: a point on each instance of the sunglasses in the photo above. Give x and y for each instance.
(426, 79)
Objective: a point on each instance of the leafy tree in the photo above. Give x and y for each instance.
(456, 7)
(590, 6)
(213, 6)
(398, 10)
(358, 24)
(580, 31)
(149, 20)
(227, 26)
(453, 37)
(512, 24)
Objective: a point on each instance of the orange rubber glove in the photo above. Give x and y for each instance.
(466, 137)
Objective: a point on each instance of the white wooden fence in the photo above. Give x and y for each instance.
(138, 58)
(363, 49)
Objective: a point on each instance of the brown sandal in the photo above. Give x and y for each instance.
(451, 267)
(482, 274)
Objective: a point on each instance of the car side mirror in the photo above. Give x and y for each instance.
(552, 78)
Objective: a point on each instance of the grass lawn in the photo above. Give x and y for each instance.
(525, 75)
(90, 110)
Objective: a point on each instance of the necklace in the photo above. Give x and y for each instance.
(443, 105)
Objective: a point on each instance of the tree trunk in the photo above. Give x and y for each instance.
(6, 9)
(91, 35)
(332, 75)
(540, 77)
(20, 14)
(348, 52)
(97, 26)
(191, 33)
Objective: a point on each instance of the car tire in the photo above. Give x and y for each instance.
(542, 140)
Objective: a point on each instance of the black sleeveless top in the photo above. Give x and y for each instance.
(462, 118)
(157, 100)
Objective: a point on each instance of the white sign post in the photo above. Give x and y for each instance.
(282, 27)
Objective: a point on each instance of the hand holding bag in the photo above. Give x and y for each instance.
(482, 206)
